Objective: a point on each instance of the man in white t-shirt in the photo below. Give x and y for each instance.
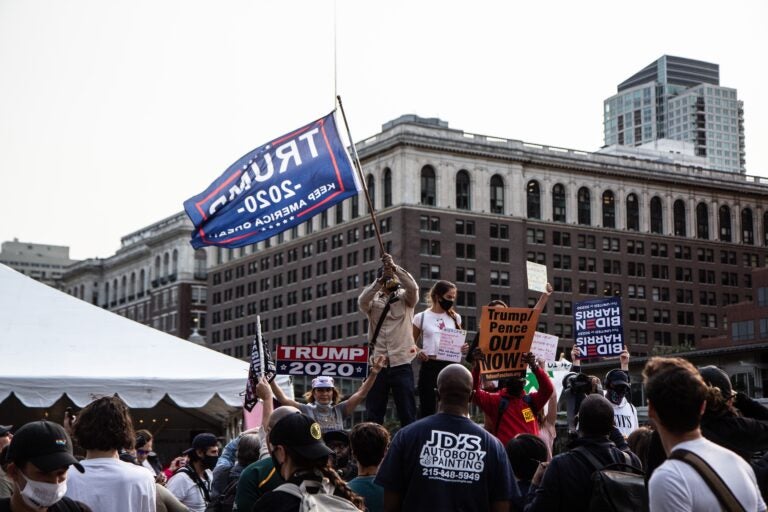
(616, 387)
(676, 401)
(103, 428)
(192, 483)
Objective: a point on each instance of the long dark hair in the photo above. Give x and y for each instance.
(439, 289)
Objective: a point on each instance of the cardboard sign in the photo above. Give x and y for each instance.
(544, 346)
(537, 276)
(348, 362)
(505, 334)
(450, 343)
(599, 328)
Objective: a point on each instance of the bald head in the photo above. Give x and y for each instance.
(454, 385)
(280, 413)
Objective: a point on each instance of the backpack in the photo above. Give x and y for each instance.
(321, 499)
(225, 501)
(614, 490)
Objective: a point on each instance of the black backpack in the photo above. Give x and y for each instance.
(225, 501)
(614, 490)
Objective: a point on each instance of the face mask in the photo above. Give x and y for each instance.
(209, 461)
(614, 396)
(278, 465)
(42, 494)
(445, 304)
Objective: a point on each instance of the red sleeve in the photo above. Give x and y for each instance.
(488, 402)
(546, 389)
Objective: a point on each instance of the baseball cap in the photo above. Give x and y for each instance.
(45, 444)
(202, 442)
(301, 434)
(616, 378)
(4, 429)
(337, 436)
(717, 378)
(322, 382)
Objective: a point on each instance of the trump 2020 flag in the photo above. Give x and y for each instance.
(275, 187)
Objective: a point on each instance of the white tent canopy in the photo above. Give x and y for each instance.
(52, 344)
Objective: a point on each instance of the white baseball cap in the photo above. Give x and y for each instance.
(322, 382)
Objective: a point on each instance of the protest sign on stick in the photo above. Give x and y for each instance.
(505, 334)
(598, 327)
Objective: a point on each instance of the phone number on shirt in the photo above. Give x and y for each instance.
(451, 475)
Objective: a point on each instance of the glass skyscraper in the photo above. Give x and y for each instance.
(680, 99)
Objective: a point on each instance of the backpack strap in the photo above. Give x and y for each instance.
(392, 298)
(503, 404)
(192, 474)
(715, 483)
(291, 489)
(598, 466)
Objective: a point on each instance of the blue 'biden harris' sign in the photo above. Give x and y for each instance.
(274, 187)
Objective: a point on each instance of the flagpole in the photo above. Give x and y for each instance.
(359, 168)
(261, 346)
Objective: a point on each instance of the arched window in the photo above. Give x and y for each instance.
(609, 210)
(497, 194)
(387, 187)
(725, 223)
(167, 264)
(558, 203)
(533, 199)
(747, 227)
(355, 206)
(657, 216)
(633, 213)
(106, 293)
(765, 228)
(585, 211)
(157, 267)
(463, 191)
(702, 221)
(82, 291)
(114, 290)
(339, 213)
(123, 288)
(679, 218)
(428, 186)
(370, 183)
(142, 281)
(132, 288)
(201, 264)
(175, 261)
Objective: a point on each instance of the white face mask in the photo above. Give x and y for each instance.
(42, 494)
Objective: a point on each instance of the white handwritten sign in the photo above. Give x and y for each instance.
(544, 346)
(449, 345)
(537, 276)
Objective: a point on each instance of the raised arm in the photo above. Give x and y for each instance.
(359, 395)
(264, 392)
(281, 397)
(544, 298)
(411, 296)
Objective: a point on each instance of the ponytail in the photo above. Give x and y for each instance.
(341, 487)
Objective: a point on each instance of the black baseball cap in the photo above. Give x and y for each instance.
(337, 436)
(616, 378)
(4, 429)
(45, 444)
(301, 434)
(202, 442)
(717, 378)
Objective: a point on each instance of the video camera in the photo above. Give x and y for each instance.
(578, 383)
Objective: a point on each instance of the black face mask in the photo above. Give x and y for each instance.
(445, 304)
(209, 461)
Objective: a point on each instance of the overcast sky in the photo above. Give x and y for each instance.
(113, 112)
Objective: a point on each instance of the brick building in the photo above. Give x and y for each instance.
(677, 243)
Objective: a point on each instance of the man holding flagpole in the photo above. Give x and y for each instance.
(389, 303)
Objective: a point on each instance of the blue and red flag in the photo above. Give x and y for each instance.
(275, 187)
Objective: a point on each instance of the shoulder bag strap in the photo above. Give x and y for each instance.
(291, 489)
(591, 459)
(384, 312)
(198, 481)
(723, 493)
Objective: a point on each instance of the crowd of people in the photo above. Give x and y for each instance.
(704, 449)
